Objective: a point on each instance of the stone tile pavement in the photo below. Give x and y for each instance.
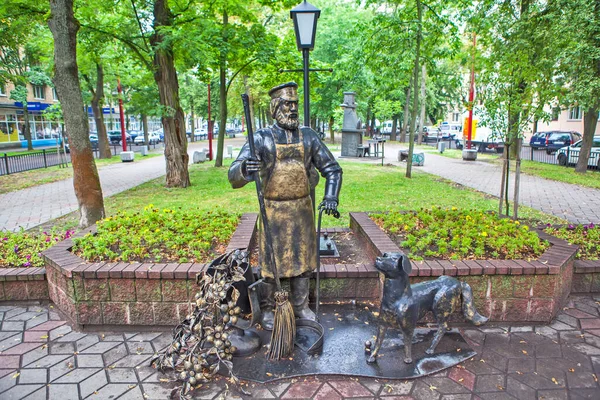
(574, 203)
(41, 357)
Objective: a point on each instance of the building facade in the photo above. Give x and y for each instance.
(12, 118)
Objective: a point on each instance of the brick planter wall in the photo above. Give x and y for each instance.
(504, 290)
(586, 277)
(19, 284)
(150, 294)
(160, 294)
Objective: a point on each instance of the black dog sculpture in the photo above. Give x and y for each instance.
(403, 304)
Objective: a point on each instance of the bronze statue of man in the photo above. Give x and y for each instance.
(287, 158)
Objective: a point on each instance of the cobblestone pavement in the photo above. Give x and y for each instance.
(43, 358)
(571, 202)
(33, 206)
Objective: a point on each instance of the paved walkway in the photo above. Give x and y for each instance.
(42, 358)
(574, 203)
(36, 205)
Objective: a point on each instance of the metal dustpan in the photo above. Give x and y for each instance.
(309, 333)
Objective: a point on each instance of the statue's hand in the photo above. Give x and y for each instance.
(330, 207)
(250, 166)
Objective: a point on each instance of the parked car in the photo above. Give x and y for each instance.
(115, 136)
(153, 138)
(556, 140)
(538, 140)
(570, 154)
(134, 134)
(160, 133)
(201, 133)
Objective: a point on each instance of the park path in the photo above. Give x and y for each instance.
(34, 206)
(574, 203)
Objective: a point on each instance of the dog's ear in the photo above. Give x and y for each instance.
(404, 264)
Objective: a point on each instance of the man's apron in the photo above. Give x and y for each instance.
(289, 214)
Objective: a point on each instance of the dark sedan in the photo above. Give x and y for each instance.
(556, 140)
(538, 140)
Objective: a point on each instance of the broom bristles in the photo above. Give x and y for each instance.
(284, 328)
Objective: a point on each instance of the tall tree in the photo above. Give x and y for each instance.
(579, 59)
(64, 27)
(165, 76)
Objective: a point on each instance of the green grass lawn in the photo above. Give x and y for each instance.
(562, 174)
(36, 177)
(365, 188)
(457, 154)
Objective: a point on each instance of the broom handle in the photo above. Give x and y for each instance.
(259, 192)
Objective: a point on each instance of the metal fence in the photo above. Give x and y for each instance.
(566, 158)
(51, 157)
(32, 160)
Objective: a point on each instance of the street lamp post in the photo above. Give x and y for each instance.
(305, 17)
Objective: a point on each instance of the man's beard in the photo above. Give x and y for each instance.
(289, 121)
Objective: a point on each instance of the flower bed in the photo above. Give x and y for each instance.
(23, 249)
(455, 234)
(504, 290)
(587, 237)
(587, 264)
(154, 235)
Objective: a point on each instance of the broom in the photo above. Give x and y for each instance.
(284, 323)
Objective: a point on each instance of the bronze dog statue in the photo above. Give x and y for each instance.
(403, 304)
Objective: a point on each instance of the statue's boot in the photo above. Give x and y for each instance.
(267, 304)
(299, 288)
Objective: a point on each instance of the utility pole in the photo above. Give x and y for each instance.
(210, 128)
(121, 115)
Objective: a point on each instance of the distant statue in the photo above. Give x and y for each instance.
(287, 158)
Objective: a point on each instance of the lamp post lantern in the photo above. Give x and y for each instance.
(305, 17)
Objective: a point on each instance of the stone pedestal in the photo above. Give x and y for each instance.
(351, 134)
(350, 142)
(127, 156)
(469, 154)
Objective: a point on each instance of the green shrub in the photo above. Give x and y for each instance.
(154, 235)
(460, 234)
(587, 237)
(22, 249)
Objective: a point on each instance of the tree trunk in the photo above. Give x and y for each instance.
(331, 133)
(173, 120)
(64, 27)
(405, 119)
(394, 128)
(368, 120)
(413, 117)
(517, 180)
(97, 97)
(27, 127)
(372, 130)
(590, 120)
(192, 120)
(223, 95)
(423, 98)
(145, 128)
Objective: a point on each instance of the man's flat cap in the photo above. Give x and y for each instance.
(286, 91)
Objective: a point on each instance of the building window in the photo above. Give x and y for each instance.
(575, 113)
(54, 95)
(38, 92)
(2, 89)
(455, 117)
(555, 113)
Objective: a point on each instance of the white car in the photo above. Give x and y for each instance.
(153, 138)
(571, 153)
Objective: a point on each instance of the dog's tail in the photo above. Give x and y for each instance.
(468, 307)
